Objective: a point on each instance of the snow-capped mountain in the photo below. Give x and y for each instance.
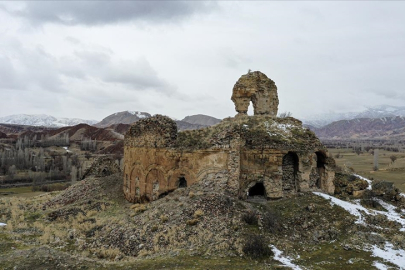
(324, 119)
(43, 120)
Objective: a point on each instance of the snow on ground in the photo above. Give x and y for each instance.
(3, 224)
(284, 260)
(380, 266)
(363, 178)
(391, 255)
(66, 148)
(357, 210)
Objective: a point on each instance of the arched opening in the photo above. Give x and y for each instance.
(320, 159)
(155, 183)
(290, 171)
(104, 172)
(250, 109)
(182, 182)
(320, 165)
(257, 190)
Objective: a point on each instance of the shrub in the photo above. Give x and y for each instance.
(255, 247)
(271, 222)
(370, 201)
(198, 213)
(250, 217)
(164, 218)
(192, 222)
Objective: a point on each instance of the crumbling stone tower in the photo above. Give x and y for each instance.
(255, 87)
(259, 155)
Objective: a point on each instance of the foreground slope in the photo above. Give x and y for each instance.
(91, 226)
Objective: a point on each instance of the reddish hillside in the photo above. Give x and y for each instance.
(77, 133)
(3, 135)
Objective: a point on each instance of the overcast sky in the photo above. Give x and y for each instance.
(91, 59)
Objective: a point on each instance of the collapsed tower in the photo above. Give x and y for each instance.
(249, 155)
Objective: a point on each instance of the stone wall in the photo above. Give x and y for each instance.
(152, 172)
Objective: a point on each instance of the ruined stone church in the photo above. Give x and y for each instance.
(259, 155)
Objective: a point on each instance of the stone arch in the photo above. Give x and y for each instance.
(256, 189)
(182, 182)
(257, 88)
(207, 170)
(290, 168)
(175, 175)
(135, 189)
(155, 184)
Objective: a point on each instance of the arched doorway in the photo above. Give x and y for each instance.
(290, 172)
(182, 182)
(257, 191)
(320, 166)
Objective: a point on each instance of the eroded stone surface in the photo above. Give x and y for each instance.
(255, 87)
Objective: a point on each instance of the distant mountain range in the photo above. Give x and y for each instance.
(324, 119)
(392, 128)
(374, 123)
(125, 117)
(43, 120)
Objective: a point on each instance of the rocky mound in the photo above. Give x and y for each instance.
(92, 225)
(257, 131)
(102, 167)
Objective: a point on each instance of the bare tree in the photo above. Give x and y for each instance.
(376, 159)
(393, 158)
(285, 115)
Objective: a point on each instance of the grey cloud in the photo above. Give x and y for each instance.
(25, 69)
(73, 40)
(137, 75)
(107, 12)
(8, 78)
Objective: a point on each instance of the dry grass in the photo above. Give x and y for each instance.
(363, 164)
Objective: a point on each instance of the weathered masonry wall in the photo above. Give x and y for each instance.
(283, 172)
(152, 172)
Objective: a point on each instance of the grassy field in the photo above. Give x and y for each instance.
(363, 164)
(25, 192)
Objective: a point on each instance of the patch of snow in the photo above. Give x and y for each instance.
(138, 114)
(284, 260)
(363, 178)
(3, 224)
(66, 148)
(356, 209)
(380, 266)
(391, 255)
